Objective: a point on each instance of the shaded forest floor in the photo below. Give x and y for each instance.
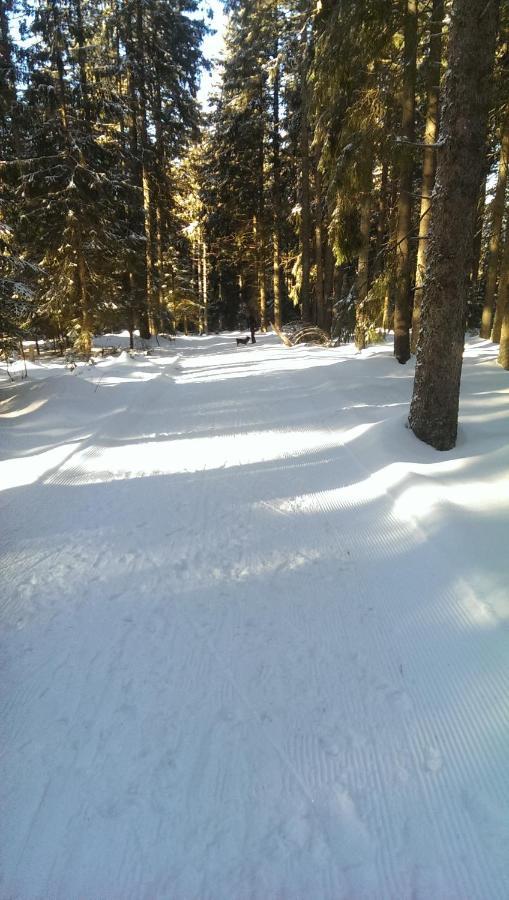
(255, 636)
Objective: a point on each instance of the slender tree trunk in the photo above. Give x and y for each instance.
(429, 156)
(503, 288)
(148, 209)
(477, 243)
(205, 293)
(276, 194)
(503, 306)
(138, 273)
(496, 231)
(434, 407)
(328, 282)
(80, 40)
(81, 287)
(381, 225)
(403, 254)
(305, 211)
(362, 279)
(80, 276)
(8, 98)
(392, 231)
(161, 194)
(319, 251)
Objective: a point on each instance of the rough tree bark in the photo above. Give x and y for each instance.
(502, 298)
(276, 193)
(362, 279)
(148, 205)
(305, 212)
(429, 156)
(496, 232)
(434, 407)
(403, 256)
(477, 243)
(503, 305)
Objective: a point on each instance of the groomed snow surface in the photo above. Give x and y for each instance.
(255, 634)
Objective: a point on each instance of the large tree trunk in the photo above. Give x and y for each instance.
(496, 231)
(434, 407)
(403, 255)
(429, 156)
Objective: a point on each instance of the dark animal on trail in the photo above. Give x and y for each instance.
(242, 340)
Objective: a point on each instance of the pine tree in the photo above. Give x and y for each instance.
(434, 407)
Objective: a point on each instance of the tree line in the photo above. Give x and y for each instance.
(98, 108)
(352, 171)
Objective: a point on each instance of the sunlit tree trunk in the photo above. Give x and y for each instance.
(502, 293)
(503, 306)
(205, 292)
(435, 400)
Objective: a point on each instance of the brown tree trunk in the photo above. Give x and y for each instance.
(305, 211)
(328, 282)
(148, 207)
(429, 156)
(81, 287)
(477, 243)
(8, 82)
(381, 225)
(434, 407)
(503, 290)
(260, 242)
(319, 249)
(403, 256)
(161, 195)
(138, 273)
(503, 306)
(497, 216)
(276, 195)
(362, 279)
(80, 277)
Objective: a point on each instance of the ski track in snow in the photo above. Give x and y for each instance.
(254, 637)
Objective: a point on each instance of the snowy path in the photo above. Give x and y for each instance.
(255, 637)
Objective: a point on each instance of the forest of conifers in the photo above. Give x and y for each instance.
(350, 171)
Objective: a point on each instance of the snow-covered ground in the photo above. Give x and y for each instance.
(255, 635)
